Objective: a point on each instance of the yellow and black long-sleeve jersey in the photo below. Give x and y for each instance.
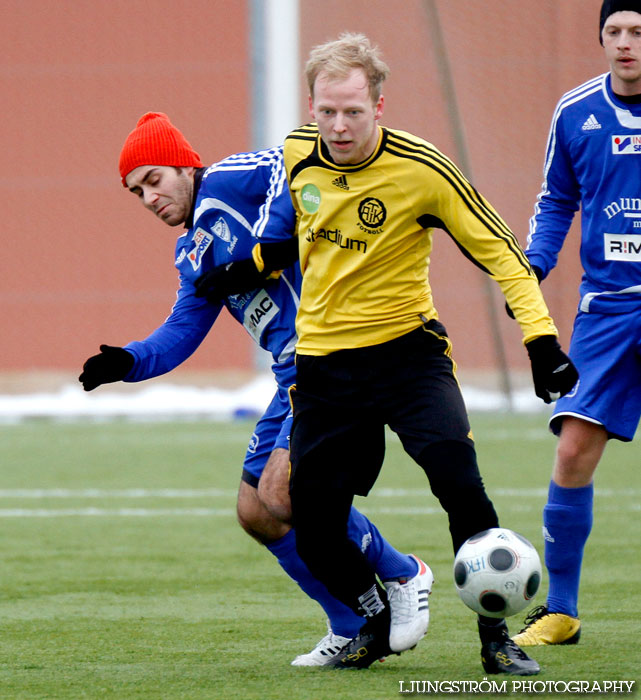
(365, 238)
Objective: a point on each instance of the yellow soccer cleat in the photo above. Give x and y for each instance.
(543, 627)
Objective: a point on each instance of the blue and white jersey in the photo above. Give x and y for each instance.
(593, 161)
(231, 197)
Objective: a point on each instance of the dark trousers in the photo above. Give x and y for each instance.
(342, 403)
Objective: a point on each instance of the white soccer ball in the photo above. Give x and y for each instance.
(497, 572)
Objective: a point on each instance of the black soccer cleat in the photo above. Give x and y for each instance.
(370, 645)
(505, 656)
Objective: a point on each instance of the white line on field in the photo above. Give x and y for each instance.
(114, 513)
(140, 493)
(230, 512)
(116, 493)
(519, 492)
(181, 512)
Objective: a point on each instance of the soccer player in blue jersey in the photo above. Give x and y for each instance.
(218, 206)
(593, 161)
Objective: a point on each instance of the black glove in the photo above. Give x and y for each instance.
(111, 365)
(539, 276)
(279, 255)
(240, 276)
(553, 372)
(236, 277)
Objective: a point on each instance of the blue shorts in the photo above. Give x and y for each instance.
(606, 349)
(271, 431)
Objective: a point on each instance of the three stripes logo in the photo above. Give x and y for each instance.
(591, 124)
(341, 181)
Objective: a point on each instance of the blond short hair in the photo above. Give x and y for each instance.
(337, 58)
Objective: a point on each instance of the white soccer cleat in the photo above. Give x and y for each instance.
(409, 608)
(324, 651)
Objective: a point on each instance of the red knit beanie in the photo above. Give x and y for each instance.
(156, 141)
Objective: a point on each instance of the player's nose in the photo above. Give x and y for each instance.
(339, 124)
(149, 197)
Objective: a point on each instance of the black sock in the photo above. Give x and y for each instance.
(491, 629)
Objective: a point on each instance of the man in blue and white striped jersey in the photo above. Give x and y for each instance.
(218, 206)
(593, 161)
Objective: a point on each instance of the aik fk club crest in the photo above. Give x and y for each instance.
(372, 215)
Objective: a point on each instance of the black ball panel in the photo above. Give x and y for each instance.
(479, 536)
(524, 540)
(460, 574)
(492, 602)
(501, 559)
(532, 585)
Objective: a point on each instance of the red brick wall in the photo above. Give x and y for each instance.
(85, 264)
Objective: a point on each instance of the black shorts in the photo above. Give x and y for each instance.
(343, 401)
(250, 478)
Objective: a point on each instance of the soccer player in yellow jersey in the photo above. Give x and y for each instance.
(371, 351)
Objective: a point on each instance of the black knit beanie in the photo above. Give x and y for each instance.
(609, 7)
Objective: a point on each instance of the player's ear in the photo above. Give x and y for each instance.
(378, 107)
(311, 107)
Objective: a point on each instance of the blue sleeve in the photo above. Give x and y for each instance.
(557, 202)
(172, 343)
(277, 216)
